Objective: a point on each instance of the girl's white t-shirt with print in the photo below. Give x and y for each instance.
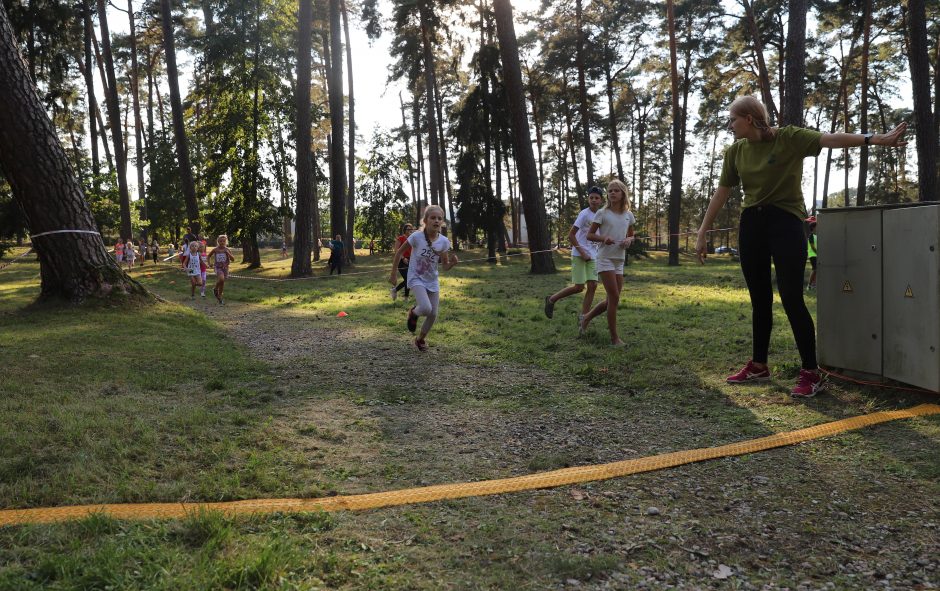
(615, 225)
(422, 266)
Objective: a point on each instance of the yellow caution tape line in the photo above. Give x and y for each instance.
(427, 494)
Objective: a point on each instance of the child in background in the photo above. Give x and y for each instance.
(195, 264)
(583, 258)
(130, 255)
(613, 229)
(220, 256)
(119, 252)
(143, 252)
(429, 247)
(403, 262)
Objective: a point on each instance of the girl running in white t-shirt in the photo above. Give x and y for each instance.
(613, 229)
(428, 248)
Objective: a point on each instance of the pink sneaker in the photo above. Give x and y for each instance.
(750, 373)
(808, 384)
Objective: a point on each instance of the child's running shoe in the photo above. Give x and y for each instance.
(412, 320)
(750, 373)
(394, 294)
(549, 306)
(809, 384)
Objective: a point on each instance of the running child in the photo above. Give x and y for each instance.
(428, 248)
(119, 252)
(583, 258)
(613, 229)
(220, 256)
(403, 262)
(195, 264)
(130, 255)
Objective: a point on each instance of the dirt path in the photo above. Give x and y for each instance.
(359, 403)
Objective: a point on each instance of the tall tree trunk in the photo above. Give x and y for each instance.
(582, 94)
(138, 124)
(573, 150)
(351, 193)
(92, 102)
(863, 108)
(337, 151)
(678, 149)
(764, 78)
(795, 84)
(407, 137)
(73, 265)
(612, 112)
(532, 202)
(114, 116)
(434, 151)
(99, 61)
(923, 117)
(445, 171)
(254, 252)
(421, 175)
(179, 130)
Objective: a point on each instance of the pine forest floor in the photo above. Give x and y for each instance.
(273, 395)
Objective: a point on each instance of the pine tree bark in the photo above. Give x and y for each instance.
(176, 106)
(764, 78)
(863, 108)
(351, 189)
(582, 94)
(678, 149)
(923, 117)
(300, 266)
(795, 83)
(337, 151)
(532, 200)
(114, 117)
(434, 151)
(90, 89)
(138, 124)
(73, 266)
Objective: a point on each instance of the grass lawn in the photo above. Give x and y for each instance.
(273, 395)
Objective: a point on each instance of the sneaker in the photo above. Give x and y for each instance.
(221, 301)
(394, 293)
(549, 306)
(580, 320)
(203, 294)
(808, 384)
(750, 373)
(421, 345)
(412, 320)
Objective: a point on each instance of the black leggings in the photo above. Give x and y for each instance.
(403, 271)
(767, 233)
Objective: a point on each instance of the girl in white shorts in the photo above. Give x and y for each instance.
(613, 229)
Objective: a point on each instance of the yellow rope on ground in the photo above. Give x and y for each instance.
(464, 489)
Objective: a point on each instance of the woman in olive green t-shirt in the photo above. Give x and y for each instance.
(768, 164)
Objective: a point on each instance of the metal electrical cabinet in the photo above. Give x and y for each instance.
(911, 297)
(848, 301)
(878, 302)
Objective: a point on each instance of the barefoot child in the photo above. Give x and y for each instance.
(428, 248)
(583, 258)
(195, 264)
(613, 229)
(220, 256)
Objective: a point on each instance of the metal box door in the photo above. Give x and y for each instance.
(849, 288)
(911, 312)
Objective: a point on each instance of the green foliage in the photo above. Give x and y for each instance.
(381, 187)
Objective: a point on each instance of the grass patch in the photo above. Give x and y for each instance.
(276, 396)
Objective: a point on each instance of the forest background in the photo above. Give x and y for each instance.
(597, 84)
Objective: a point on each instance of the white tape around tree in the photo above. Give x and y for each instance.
(64, 232)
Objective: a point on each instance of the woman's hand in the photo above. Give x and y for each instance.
(892, 138)
(392, 278)
(701, 246)
(608, 240)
